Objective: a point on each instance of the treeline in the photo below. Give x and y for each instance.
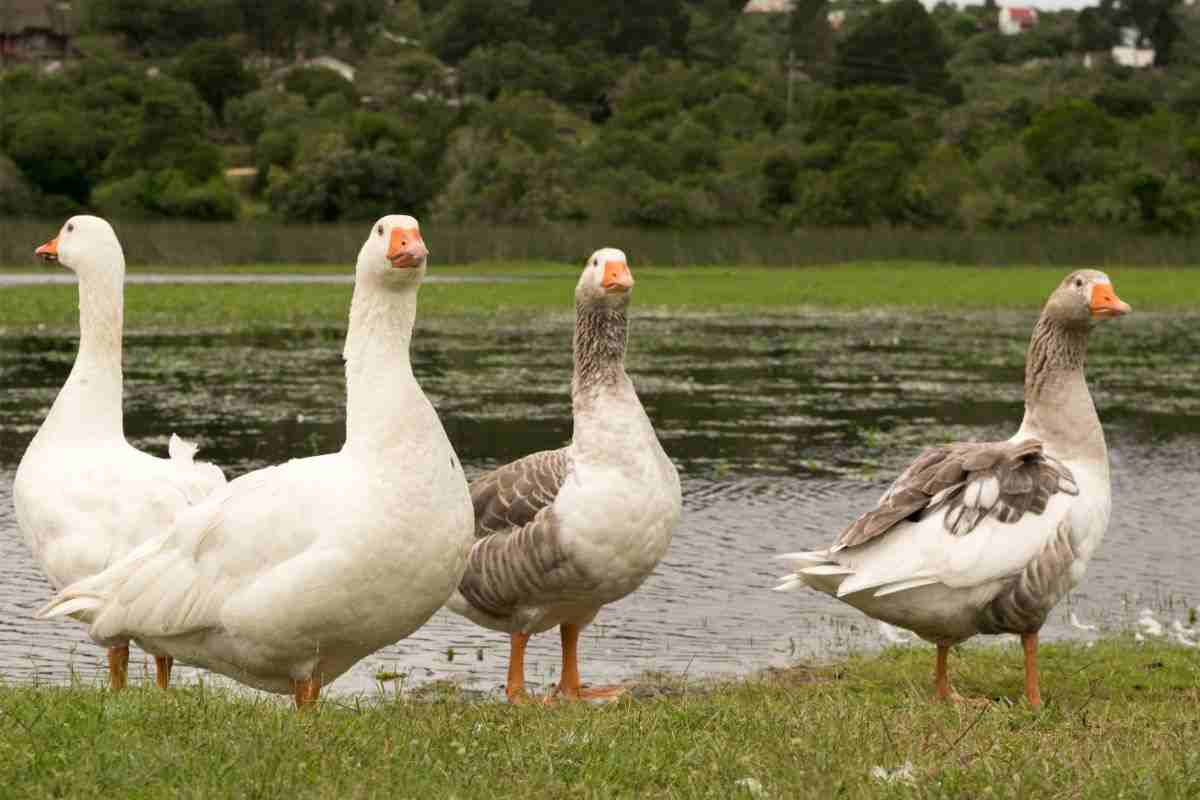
(671, 114)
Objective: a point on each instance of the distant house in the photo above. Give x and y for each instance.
(1136, 57)
(762, 6)
(1015, 19)
(35, 29)
(1129, 52)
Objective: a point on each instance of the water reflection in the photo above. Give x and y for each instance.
(783, 428)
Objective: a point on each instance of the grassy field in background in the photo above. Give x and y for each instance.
(1120, 721)
(548, 287)
(165, 244)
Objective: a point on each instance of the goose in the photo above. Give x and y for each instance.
(562, 533)
(85, 497)
(987, 537)
(291, 574)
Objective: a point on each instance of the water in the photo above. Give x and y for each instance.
(783, 428)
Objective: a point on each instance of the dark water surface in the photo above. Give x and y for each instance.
(783, 428)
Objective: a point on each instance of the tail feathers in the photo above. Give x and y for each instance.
(62, 605)
(806, 567)
(198, 479)
(887, 584)
(812, 556)
(181, 449)
(904, 586)
(789, 583)
(91, 593)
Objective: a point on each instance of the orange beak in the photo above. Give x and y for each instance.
(406, 248)
(617, 277)
(49, 251)
(1105, 302)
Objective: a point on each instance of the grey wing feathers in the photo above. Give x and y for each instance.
(524, 567)
(513, 495)
(970, 481)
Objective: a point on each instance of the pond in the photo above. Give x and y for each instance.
(784, 428)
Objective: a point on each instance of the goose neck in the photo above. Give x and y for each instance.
(599, 348)
(89, 404)
(380, 386)
(1058, 405)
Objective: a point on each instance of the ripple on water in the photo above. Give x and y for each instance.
(784, 430)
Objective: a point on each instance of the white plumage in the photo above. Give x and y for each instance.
(293, 573)
(84, 496)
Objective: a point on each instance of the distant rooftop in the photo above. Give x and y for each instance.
(18, 16)
(768, 6)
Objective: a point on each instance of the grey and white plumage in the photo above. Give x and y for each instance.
(562, 533)
(986, 537)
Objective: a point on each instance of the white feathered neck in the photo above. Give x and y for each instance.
(89, 405)
(380, 386)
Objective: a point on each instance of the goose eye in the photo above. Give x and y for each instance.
(70, 227)
(1079, 283)
(379, 230)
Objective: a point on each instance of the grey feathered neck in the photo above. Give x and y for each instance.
(600, 334)
(1058, 404)
(1055, 350)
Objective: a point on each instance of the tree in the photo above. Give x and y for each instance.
(712, 36)
(216, 70)
(1096, 30)
(1070, 143)
(353, 18)
(809, 34)
(897, 44)
(463, 25)
(342, 183)
(58, 151)
(313, 83)
(167, 131)
(621, 27)
(1154, 21)
(162, 26)
(276, 25)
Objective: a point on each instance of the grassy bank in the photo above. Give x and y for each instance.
(548, 287)
(1120, 721)
(192, 244)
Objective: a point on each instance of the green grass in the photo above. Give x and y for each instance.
(1120, 721)
(548, 288)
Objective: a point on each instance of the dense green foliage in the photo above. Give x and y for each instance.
(678, 114)
(1119, 722)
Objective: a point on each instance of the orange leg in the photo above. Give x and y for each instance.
(514, 687)
(1029, 641)
(942, 690)
(941, 680)
(162, 670)
(569, 684)
(118, 667)
(306, 692)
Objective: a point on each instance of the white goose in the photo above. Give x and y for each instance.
(293, 573)
(987, 537)
(562, 533)
(84, 497)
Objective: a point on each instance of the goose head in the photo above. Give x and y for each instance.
(87, 246)
(606, 280)
(394, 253)
(1084, 298)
